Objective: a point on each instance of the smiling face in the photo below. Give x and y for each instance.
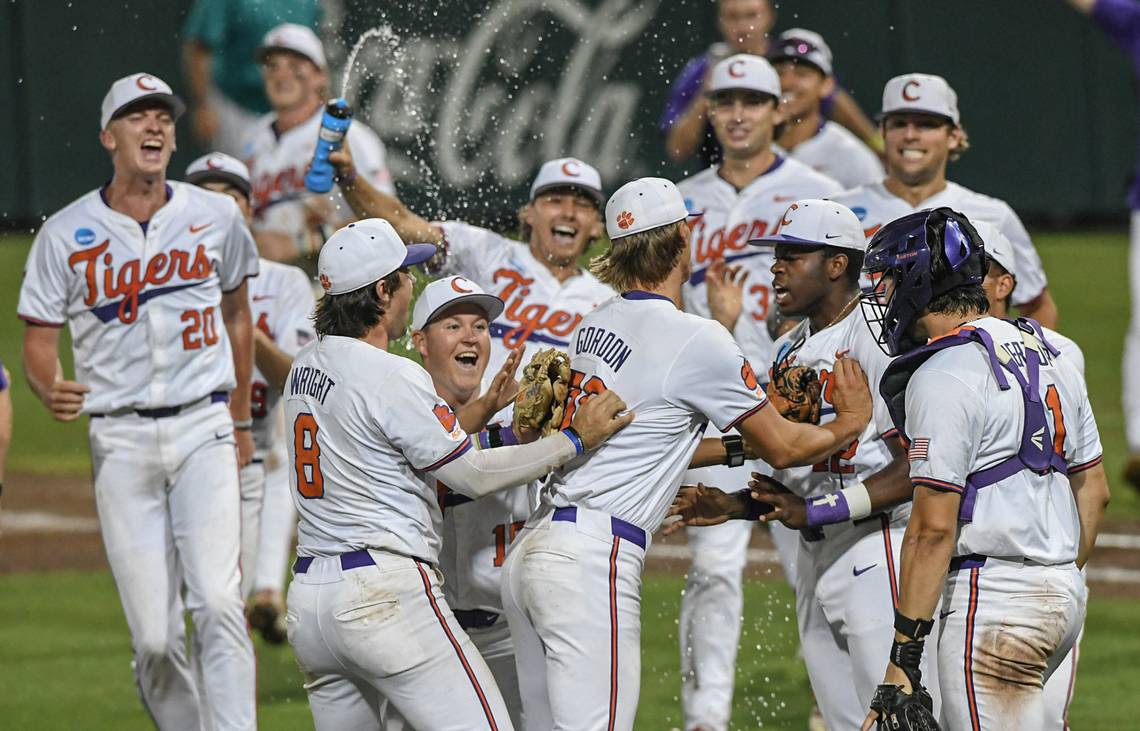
(918, 146)
(744, 24)
(803, 87)
(292, 81)
(562, 223)
(744, 121)
(455, 347)
(141, 139)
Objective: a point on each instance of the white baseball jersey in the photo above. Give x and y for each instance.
(278, 163)
(838, 154)
(281, 305)
(362, 425)
(869, 453)
(958, 421)
(731, 218)
(540, 311)
(143, 303)
(876, 206)
(1068, 348)
(676, 372)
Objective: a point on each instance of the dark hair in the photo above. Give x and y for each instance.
(641, 260)
(964, 300)
(354, 313)
(997, 270)
(854, 262)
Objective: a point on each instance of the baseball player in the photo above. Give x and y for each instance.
(998, 285)
(5, 421)
(803, 60)
(149, 276)
(367, 617)
(1009, 489)
(923, 133)
(846, 567)
(572, 580)
(281, 303)
(545, 290)
(288, 219)
(742, 198)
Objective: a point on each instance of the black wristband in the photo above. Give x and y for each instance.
(915, 629)
(494, 437)
(733, 450)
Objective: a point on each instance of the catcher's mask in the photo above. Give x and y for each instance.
(912, 260)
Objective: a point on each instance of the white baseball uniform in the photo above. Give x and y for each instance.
(876, 206)
(281, 305)
(837, 153)
(278, 163)
(712, 604)
(1014, 600)
(367, 617)
(143, 304)
(572, 581)
(846, 578)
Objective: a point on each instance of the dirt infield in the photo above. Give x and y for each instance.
(49, 523)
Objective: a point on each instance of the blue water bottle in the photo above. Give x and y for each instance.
(334, 126)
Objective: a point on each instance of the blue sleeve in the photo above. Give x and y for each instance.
(3, 378)
(206, 23)
(1120, 21)
(685, 88)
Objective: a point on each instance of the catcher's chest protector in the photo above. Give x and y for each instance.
(1036, 453)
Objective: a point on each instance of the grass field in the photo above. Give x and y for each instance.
(65, 652)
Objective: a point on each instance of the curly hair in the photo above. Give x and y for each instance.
(641, 260)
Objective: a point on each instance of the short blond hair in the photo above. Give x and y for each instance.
(641, 260)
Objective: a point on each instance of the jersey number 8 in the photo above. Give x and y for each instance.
(307, 463)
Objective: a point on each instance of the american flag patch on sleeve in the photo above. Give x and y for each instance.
(919, 449)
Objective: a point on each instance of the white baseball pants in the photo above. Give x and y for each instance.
(384, 631)
(167, 494)
(1131, 366)
(252, 478)
(1004, 629)
(278, 529)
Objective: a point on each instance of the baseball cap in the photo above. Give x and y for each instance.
(365, 252)
(136, 87)
(294, 38)
(923, 93)
(802, 45)
(443, 293)
(568, 172)
(996, 245)
(222, 167)
(813, 223)
(744, 71)
(642, 204)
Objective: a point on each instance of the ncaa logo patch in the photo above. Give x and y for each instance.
(84, 236)
(860, 212)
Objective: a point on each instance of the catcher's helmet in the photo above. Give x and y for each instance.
(923, 255)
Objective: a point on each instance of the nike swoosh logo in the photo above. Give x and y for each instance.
(202, 227)
(859, 572)
(259, 297)
(947, 613)
(832, 236)
(222, 434)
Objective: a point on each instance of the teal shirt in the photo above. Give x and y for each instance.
(232, 30)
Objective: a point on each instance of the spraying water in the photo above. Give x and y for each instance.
(383, 32)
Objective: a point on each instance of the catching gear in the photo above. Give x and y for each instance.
(900, 711)
(796, 392)
(542, 392)
(923, 255)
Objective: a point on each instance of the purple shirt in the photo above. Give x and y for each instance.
(1120, 21)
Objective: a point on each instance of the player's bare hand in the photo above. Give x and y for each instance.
(850, 394)
(243, 439)
(342, 160)
(599, 417)
(870, 721)
(66, 399)
(789, 509)
(725, 292)
(700, 505)
(503, 389)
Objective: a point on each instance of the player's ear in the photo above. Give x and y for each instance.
(837, 266)
(382, 294)
(1005, 285)
(828, 87)
(419, 342)
(107, 140)
(779, 116)
(526, 214)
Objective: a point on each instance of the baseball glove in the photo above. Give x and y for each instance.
(796, 393)
(899, 711)
(542, 392)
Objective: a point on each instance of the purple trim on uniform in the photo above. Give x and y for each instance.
(699, 275)
(637, 294)
(820, 511)
(684, 89)
(968, 662)
(301, 565)
(1120, 21)
(938, 485)
(247, 276)
(1075, 469)
(3, 378)
(506, 435)
(971, 561)
(417, 254)
(39, 323)
(614, 645)
(889, 555)
(454, 454)
(776, 239)
(746, 414)
(110, 311)
(163, 412)
(498, 330)
(618, 527)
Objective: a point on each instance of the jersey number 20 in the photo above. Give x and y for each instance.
(307, 463)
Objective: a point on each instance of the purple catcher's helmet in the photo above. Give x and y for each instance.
(925, 254)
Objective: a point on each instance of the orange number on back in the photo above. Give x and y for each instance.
(503, 539)
(834, 464)
(762, 294)
(578, 393)
(1053, 401)
(310, 482)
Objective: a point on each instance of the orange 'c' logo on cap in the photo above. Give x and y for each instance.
(906, 93)
(735, 70)
(146, 82)
(572, 172)
(459, 288)
(784, 221)
(325, 282)
(624, 220)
